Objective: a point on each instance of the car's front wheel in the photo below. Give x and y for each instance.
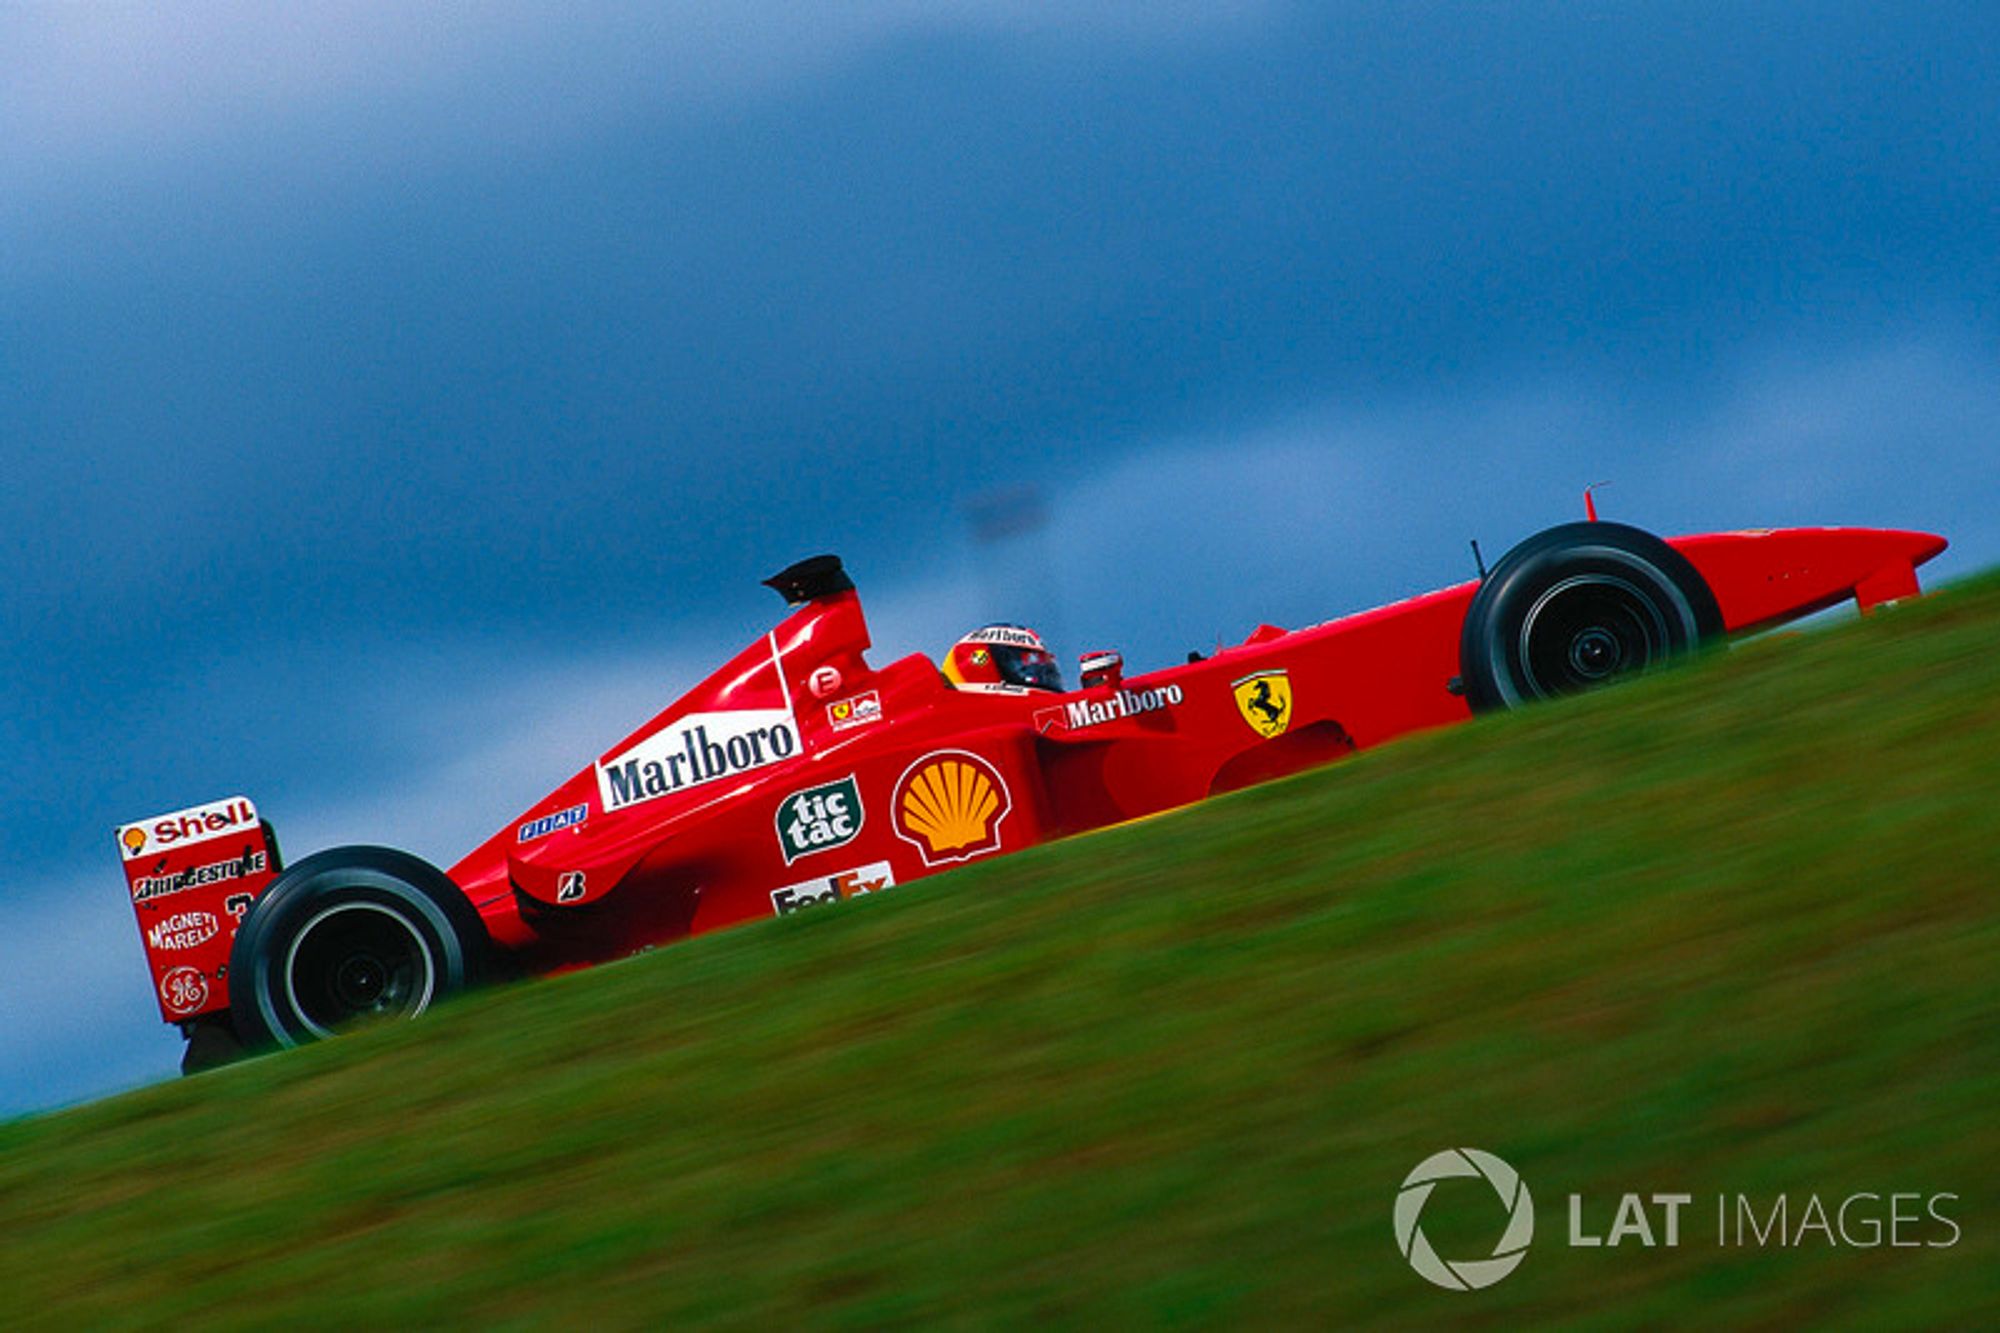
(347, 937)
(1577, 606)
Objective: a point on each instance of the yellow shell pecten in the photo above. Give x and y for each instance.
(949, 805)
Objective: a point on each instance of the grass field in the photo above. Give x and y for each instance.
(1727, 932)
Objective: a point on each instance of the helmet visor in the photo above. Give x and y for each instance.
(1034, 668)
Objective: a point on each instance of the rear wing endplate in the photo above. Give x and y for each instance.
(192, 874)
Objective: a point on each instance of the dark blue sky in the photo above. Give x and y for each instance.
(396, 407)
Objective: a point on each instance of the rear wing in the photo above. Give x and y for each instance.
(192, 875)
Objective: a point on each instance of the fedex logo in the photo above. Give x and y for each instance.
(195, 824)
(827, 889)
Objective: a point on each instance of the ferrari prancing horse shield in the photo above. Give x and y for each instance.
(1265, 700)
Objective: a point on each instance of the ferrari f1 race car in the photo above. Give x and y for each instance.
(799, 775)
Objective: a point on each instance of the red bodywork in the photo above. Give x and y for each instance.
(798, 774)
(922, 765)
(192, 875)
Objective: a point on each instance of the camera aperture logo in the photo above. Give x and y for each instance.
(1464, 1274)
(1856, 1219)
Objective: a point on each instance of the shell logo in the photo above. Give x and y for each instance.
(949, 805)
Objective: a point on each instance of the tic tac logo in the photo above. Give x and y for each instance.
(949, 806)
(1515, 1202)
(1265, 700)
(195, 824)
(820, 818)
(829, 889)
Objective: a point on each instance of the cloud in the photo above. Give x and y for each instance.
(1893, 426)
(87, 85)
(1335, 508)
(80, 1018)
(304, 373)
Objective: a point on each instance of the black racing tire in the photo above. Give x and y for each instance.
(1576, 606)
(349, 936)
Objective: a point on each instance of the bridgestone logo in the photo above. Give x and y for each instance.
(1125, 703)
(158, 886)
(698, 749)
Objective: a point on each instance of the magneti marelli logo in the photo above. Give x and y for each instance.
(1464, 1274)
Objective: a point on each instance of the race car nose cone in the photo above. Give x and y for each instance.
(1923, 545)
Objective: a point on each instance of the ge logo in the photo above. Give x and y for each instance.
(183, 991)
(1464, 1274)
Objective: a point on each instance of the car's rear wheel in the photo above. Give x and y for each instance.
(1577, 606)
(348, 937)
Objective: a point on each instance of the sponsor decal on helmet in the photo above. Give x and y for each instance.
(547, 824)
(857, 711)
(195, 824)
(183, 991)
(698, 749)
(820, 818)
(871, 878)
(1265, 700)
(1011, 636)
(182, 930)
(949, 806)
(215, 872)
(1123, 703)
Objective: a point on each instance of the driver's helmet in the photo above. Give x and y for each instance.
(1002, 659)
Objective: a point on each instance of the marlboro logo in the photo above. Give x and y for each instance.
(699, 749)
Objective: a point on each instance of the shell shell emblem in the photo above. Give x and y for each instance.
(949, 805)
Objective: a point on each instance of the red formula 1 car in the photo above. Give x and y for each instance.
(799, 774)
